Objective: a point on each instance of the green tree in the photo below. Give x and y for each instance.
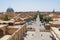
(5, 18)
(47, 19)
(41, 17)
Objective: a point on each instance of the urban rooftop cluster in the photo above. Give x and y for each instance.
(29, 25)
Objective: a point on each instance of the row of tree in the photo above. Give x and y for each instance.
(47, 19)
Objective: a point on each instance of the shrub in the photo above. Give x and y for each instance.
(5, 18)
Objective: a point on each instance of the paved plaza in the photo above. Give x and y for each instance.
(37, 35)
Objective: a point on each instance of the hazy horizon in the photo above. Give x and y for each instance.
(30, 5)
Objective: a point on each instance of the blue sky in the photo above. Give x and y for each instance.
(30, 5)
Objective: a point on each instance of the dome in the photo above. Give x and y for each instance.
(10, 10)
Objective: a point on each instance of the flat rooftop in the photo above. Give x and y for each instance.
(5, 37)
(15, 26)
(55, 22)
(2, 26)
(10, 30)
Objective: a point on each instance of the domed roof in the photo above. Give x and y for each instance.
(10, 10)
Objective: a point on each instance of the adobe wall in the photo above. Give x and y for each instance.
(11, 30)
(18, 33)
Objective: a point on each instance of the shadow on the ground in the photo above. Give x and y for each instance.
(52, 38)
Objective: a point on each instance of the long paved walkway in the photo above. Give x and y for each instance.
(37, 35)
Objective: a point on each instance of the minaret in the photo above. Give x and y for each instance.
(53, 10)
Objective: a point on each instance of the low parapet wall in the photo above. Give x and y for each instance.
(55, 33)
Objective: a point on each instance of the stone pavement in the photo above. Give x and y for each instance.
(37, 35)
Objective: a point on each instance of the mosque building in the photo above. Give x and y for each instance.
(10, 12)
